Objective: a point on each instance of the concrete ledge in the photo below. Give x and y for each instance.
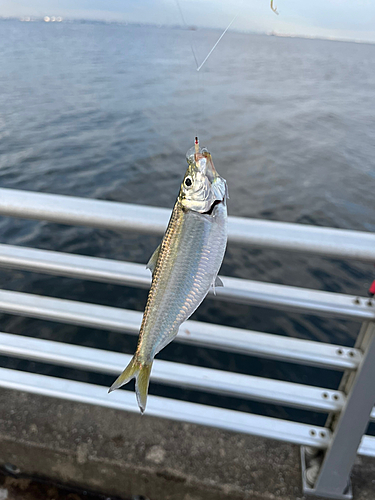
(125, 455)
(24, 488)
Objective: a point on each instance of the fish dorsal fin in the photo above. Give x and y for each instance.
(153, 260)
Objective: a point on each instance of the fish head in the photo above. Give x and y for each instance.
(202, 187)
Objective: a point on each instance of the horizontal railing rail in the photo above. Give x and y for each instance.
(175, 374)
(173, 409)
(282, 430)
(282, 297)
(339, 243)
(191, 332)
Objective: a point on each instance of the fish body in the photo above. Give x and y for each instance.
(184, 266)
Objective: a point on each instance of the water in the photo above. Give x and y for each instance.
(108, 112)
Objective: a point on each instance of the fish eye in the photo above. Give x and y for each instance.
(188, 181)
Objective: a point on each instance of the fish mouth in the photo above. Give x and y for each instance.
(211, 209)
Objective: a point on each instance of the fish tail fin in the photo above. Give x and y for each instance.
(141, 372)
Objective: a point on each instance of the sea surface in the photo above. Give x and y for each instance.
(108, 111)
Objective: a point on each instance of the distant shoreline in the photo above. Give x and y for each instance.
(60, 19)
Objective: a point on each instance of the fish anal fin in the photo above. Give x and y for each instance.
(151, 264)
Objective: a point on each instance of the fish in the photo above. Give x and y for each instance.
(184, 266)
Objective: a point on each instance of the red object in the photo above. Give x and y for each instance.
(371, 290)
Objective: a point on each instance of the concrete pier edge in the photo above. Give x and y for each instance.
(124, 454)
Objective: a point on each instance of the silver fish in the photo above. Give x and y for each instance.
(184, 266)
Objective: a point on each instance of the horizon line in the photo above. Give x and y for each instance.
(58, 19)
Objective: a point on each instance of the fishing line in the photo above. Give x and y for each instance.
(200, 66)
(216, 44)
(185, 25)
(197, 93)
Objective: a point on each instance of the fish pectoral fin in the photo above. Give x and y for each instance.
(141, 372)
(218, 282)
(215, 283)
(151, 264)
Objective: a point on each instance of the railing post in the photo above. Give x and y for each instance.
(329, 476)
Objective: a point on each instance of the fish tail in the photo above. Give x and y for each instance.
(141, 373)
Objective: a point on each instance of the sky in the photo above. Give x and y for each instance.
(340, 19)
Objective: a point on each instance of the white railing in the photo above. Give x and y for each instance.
(349, 408)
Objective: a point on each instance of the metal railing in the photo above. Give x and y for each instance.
(328, 452)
